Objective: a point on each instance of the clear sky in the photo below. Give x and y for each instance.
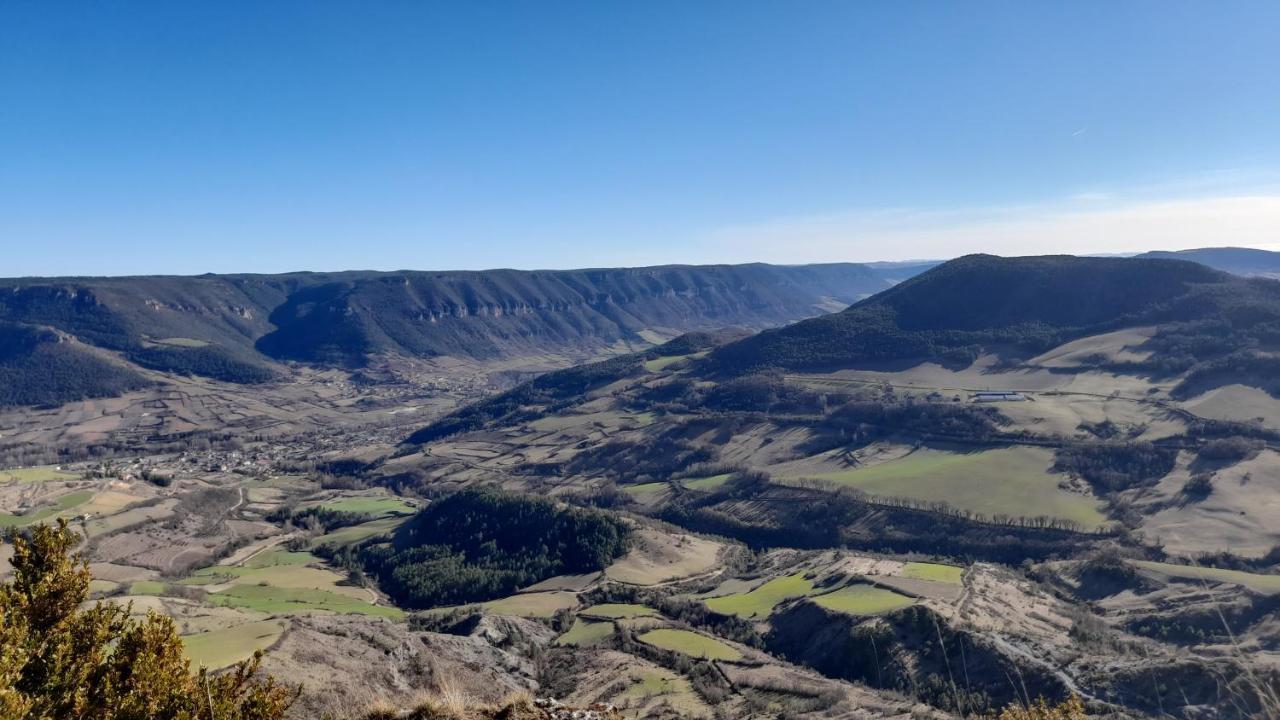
(264, 136)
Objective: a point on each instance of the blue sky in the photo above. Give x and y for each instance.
(286, 135)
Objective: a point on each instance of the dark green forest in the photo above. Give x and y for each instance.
(479, 544)
(37, 367)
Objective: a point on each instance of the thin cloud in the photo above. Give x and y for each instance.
(1072, 226)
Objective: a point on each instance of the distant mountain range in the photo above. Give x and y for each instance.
(1213, 328)
(70, 338)
(239, 328)
(1238, 261)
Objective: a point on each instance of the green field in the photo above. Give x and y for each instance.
(1266, 584)
(181, 342)
(863, 600)
(648, 683)
(661, 363)
(44, 473)
(268, 599)
(278, 556)
(585, 633)
(1009, 481)
(535, 604)
(932, 571)
(653, 337)
(357, 533)
(278, 569)
(664, 687)
(760, 602)
(706, 483)
(100, 525)
(616, 611)
(102, 586)
(377, 506)
(147, 587)
(646, 491)
(61, 505)
(220, 648)
(690, 643)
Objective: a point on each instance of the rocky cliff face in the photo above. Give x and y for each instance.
(236, 327)
(504, 312)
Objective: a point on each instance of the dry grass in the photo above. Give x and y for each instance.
(659, 557)
(447, 704)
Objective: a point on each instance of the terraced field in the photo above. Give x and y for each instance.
(278, 568)
(147, 587)
(356, 533)
(653, 683)
(658, 557)
(180, 342)
(585, 633)
(932, 571)
(276, 581)
(761, 601)
(134, 516)
(708, 483)
(376, 506)
(862, 599)
(43, 473)
(61, 505)
(1009, 481)
(221, 648)
(1267, 584)
(687, 642)
(615, 611)
(536, 604)
(647, 492)
(273, 600)
(662, 363)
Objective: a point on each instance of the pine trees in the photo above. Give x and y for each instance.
(61, 660)
(480, 544)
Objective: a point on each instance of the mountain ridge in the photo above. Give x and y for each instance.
(1236, 260)
(242, 328)
(957, 310)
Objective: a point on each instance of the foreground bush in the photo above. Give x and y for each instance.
(1070, 709)
(62, 661)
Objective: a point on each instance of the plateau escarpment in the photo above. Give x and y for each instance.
(240, 328)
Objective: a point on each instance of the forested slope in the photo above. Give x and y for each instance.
(1021, 306)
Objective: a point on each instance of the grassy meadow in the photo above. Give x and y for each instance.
(616, 611)
(761, 601)
(63, 504)
(1010, 481)
(220, 648)
(376, 506)
(1266, 584)
(534, 604)
(43, 473)
(687, 642)
(932, 571)
(862, 599)
(708, 483)
(585, 633)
